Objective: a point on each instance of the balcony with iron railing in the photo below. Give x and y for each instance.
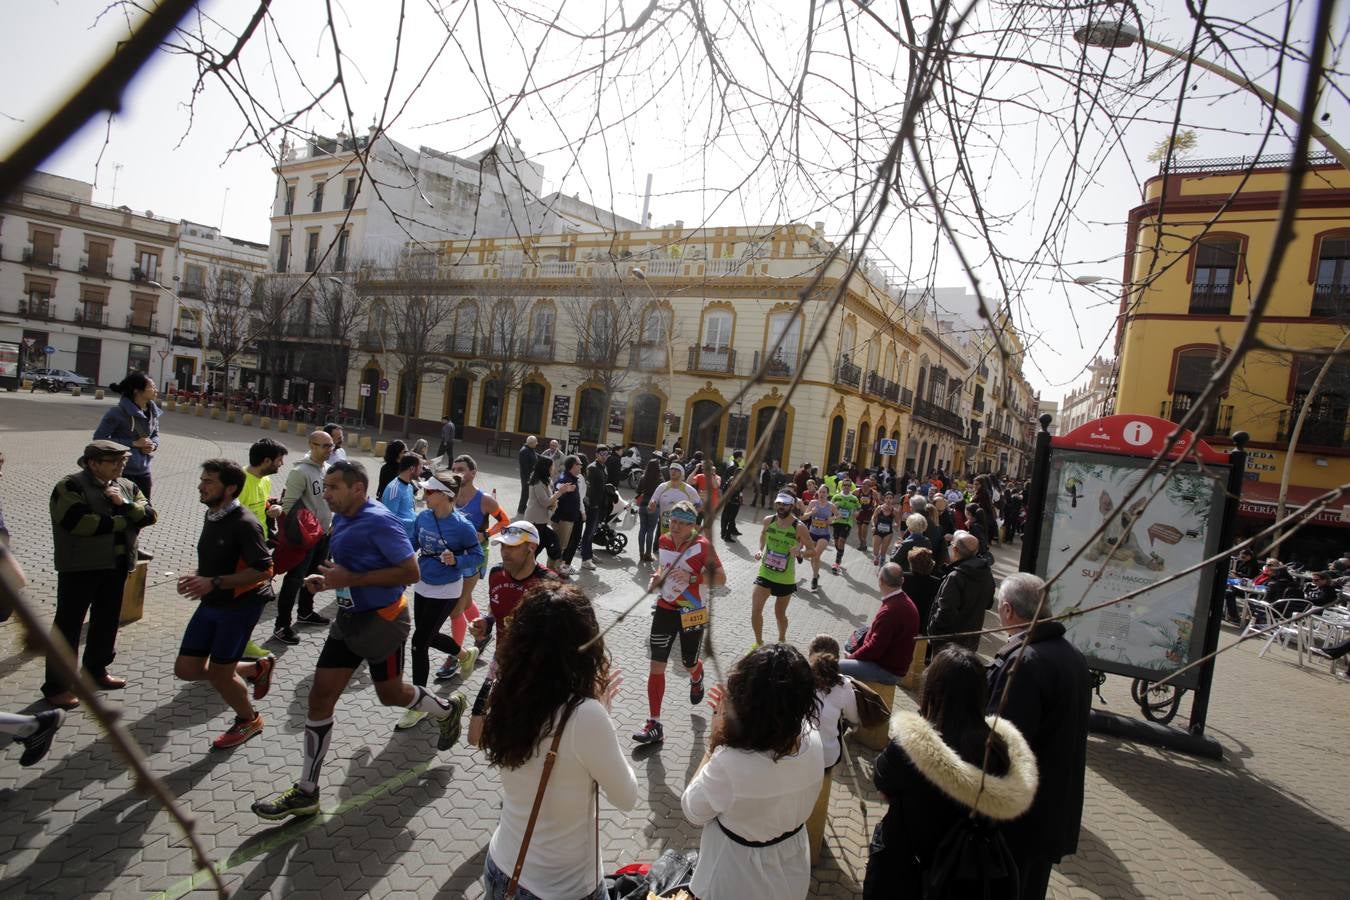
(712, 358)
(884, 388)
(370, 340)
(1326, 431)
(1216, 421)
(141, 323)
(978, 404)
(102, 268)
(780, 365)
(461, 344)
(502, 349)
(1331, 300)
(982, 373)
(192, 290)
(1211, 298)
(539, 351)
(94, 315)
(648, 358)
(934, 414)
(600, 357)
(43, 308)
(848, 373)
(187, 338)
(907, 397)
(34, 256)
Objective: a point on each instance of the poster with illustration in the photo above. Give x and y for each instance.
(1144, 542)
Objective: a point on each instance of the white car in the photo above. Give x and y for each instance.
(64, 377)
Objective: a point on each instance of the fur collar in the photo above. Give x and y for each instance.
(1003, 797)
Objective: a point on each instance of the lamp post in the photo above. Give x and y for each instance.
(173, 320)
(1116, 35)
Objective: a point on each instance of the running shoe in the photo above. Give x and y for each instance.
(291, 802)
(815, 582)
(262, 682)
(410, 718)
(311, 618)
(449, 723)
(588, 565)
(449, 669)
(482, 642)
(696, 691)
(36, 745)
(651, 733)
(285, 635)
(467, 660)
(834, 569)
(753, 647)
(241, 731)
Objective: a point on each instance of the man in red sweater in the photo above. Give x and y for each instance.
(884, 653)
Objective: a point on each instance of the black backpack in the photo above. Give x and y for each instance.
(972, 862)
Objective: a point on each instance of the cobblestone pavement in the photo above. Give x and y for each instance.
(402, 820)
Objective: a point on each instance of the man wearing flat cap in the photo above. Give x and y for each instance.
(96, 517)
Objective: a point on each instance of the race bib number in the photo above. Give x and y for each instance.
(775, 561)
(819, 524)
(883, 528)
(845, 514)
(344, 598)
(694, 618)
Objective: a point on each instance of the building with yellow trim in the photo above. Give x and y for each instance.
(710, 309)
(1197, 250)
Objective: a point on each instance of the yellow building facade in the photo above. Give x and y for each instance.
(1197, 250)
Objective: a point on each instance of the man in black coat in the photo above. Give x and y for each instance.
(966, 592)
(526, 458)
(1049, 697)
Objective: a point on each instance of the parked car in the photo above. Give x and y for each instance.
(63, 378)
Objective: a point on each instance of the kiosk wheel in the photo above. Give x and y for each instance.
(1158, 704)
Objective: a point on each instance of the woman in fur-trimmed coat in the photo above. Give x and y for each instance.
(931, 774)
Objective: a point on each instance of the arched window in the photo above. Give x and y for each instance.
(848, 339)
(778, 441)
(873, 356)
(542, 324)
(491, 408)
(464, 328)
(836, 443)
(646, 420)
(714, 350)
(706, 414)
(457, 402)
(788, 326)
(650, 354)
(531, 418)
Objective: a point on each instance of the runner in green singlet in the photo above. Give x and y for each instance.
(846, 505)
(780, 540)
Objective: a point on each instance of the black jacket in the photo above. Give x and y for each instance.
(1048, 701)
(614, 468)
(527, 457)
(966, 592)
(596, 479)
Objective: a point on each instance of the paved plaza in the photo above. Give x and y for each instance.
(402, 820)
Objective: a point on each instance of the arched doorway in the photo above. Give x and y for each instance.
(531, 418)
(646, 425)
(591, 414)
(705, 428)
(835, 445)
(778, 441)
(456, 402)
(864, 443)
(370, 412)
(922, 469)
(876, 453)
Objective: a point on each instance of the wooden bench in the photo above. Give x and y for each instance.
(820, 814)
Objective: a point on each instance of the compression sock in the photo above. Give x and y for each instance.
(17, 726)
(656, 692)
(459, 626)
(696, 673)
(318, 735)
(427, 702)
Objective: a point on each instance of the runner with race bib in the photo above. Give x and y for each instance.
(846, 506)
(782, 536)
(685, 562)
(819, 514)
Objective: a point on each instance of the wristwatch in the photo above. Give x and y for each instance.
(215, 582)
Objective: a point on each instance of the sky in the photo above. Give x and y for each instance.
(716, 156)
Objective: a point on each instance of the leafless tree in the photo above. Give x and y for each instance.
(226, 302)
(607, 322)
(504, 352)
(340, 315)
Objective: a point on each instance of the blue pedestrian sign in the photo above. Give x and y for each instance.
(889, 446)
(49, 350)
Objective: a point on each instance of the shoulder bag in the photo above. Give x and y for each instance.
(297, 532)
(872, 710)
(549, 759)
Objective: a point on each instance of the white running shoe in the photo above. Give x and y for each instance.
(410, 718)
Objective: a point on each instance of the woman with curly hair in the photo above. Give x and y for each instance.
(548, 688)
(754, 794)
(936, 771)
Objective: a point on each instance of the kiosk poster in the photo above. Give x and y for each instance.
(1160, 630)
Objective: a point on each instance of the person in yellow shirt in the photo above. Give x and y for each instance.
(265, 459)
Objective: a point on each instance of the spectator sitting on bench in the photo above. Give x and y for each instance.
(882, 652)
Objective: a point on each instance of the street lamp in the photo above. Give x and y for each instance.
(1117, 35)
(173, 321)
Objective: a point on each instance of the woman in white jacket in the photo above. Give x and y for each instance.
(755, 792)
(543, 683)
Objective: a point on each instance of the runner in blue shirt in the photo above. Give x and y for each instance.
(400, 495)
(370, 555)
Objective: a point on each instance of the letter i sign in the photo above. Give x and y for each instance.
(1137, 434)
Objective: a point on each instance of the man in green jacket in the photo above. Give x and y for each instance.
(96, 517)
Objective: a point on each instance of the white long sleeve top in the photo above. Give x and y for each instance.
(759, 800)
(561, 860)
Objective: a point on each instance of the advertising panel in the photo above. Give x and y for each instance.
(1162, 629)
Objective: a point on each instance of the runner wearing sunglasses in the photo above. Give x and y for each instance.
(685, 561)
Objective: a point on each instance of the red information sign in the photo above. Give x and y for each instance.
(1133, 435)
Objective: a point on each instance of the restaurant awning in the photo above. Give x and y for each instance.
(1260, 498)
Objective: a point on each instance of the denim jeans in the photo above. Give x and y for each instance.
(495, 882)
(866, 670)
(593, 517)
(647, 522)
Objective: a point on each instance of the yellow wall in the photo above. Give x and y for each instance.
(1159, 322)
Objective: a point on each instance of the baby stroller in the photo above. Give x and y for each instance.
(607, 535)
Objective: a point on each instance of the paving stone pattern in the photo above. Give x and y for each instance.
(402, 820)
